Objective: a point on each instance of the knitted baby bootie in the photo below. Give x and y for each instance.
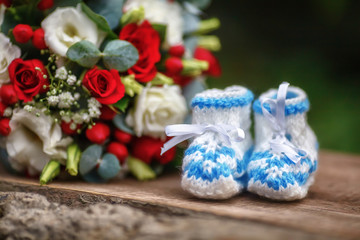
(284, 160)
(214, 166)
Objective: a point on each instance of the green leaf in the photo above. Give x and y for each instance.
(119, 122)
(64, 3)
(109, 166)
(84, 53)
(122, 104)
(100, 21)
(120, 55)
(140, 170)
(89, 158)
(202, 4)
(161, 29)
(111, 10)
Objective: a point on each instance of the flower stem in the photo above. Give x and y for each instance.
(50, 171)
(208, 25)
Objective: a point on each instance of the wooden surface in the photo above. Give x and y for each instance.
(331, 209)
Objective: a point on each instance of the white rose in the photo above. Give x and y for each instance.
(155, 108)
(34, 141)
(8, 53)
(66, 26)
(163, 12)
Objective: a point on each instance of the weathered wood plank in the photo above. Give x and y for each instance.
(332, 207)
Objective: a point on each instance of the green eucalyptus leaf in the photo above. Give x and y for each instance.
(119, 122)
(93, 177)
(89, 158)
(161, 29)
(109, 166)
(122, 104)
(140, 170)
(111, 10)
(120, 55)
(64, 3)
(99, 20)
(84, 53)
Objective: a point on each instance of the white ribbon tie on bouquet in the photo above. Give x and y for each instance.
(279, 143)
(182, 132)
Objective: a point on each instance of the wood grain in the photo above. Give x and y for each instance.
(331, 209)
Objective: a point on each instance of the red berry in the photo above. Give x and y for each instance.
(205, 55)
(5, 127)
(107, 113)
(45, 4)
(66, 128)
(98, 133)
(122, 137)
(8, 95)
(38, 39)
(119, 150)
(174, 65)
(22, 33)
(166, 157)
(177, 51)
(7, 3)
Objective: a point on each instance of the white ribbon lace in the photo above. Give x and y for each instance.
(279, 144)
(182, 132)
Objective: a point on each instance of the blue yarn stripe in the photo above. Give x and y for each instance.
(287, 178)
(290, 109)
(196, 168)
(226, 102)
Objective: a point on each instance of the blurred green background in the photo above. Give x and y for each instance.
(313, 44)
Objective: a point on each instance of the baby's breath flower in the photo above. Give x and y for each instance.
(66, 118)
(94, 112)
(71, 80)
(8, 112)
(77, 118)
(53, 100)
(77, 96)
(92, 102)
(86, 118)
(65, 100)
(28, 108)
(61, 73)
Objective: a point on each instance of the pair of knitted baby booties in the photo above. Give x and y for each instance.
(222, 159)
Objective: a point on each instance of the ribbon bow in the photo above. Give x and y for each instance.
(279, 144)
(182, 132)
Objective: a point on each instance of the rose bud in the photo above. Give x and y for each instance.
(68, 128)
(7, 3)
(205, 55)
(107, 113)
(145, 148)
(8, 95)
(177, 51)
(119, 150)
(98, 133)
(22, 33)
(122, 136)
(5, 127)
(167, 157)
(45, 4)
(174, 65)
(38, 39)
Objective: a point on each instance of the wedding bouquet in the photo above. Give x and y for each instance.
(89, 86)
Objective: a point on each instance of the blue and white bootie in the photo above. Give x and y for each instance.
(284, 160)
(214, 164)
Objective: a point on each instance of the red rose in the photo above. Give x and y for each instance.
(104, 85)
(98, 133)
(2, 109)
(38, 39)
(22, 33)
(206, 55)
(119, 150)
(28, 78)
(147, 42)
(8, 94)
(5, 127)
(148, 149)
